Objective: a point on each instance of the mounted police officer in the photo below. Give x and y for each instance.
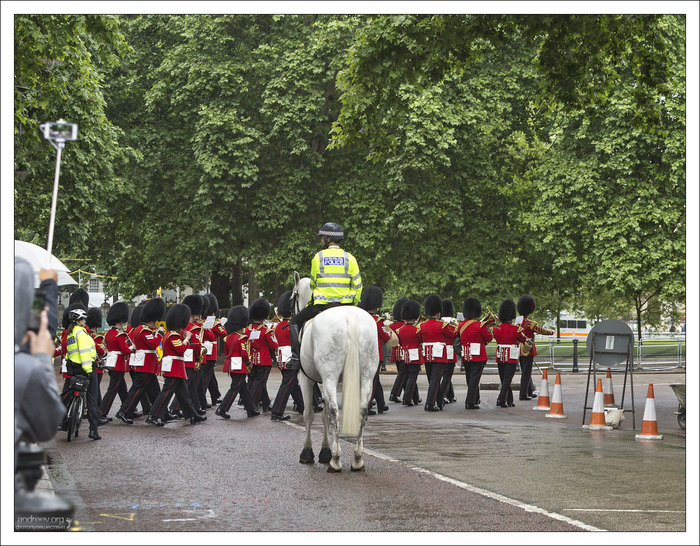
(335, 280)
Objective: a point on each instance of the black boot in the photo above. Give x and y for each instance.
(294, 363)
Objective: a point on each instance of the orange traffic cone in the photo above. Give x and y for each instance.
(608, 395)
(598, 413)
(543, 399)
(649, 428)
(557, 409)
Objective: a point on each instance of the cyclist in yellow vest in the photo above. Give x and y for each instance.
(335, 280)
(80, 357)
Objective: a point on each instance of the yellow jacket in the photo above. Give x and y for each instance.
(335, 277)
(80, 348)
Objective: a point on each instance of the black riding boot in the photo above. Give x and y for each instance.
(294, 362)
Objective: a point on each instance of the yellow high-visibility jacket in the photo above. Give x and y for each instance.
(80, 348)
(335, 277)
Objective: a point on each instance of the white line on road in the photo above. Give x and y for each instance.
(621, 510)
(479, 490)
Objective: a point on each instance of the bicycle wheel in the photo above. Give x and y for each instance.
(73, 413)
(81, 410)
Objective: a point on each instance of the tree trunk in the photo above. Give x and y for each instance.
(558, 320)
(237, 284)
(253, 289)
(638, 307)
(221, 288)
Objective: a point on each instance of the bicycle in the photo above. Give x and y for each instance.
(77, 408)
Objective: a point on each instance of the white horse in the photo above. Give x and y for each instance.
(339, 344)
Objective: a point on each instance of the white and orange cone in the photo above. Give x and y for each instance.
(649, 429)
(608, 395)
(543, 399)
(557, 409)
(598, 414)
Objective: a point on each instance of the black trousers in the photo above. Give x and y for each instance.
(211, 384)
(205, 373)
(192, 388)
(435, 394)
(93, 413)
(145, 401)
(446, 387)
(473, 371)
(173, 386)
(400, 381)
(144, 388)
(117, 386)
(526, 388)
(411, 392)
(287, 387)
(258, 387)
(238, 386)
(506, 372)
(377, 391)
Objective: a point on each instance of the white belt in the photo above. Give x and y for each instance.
(167, 364)
(111, 360)
(146, 351)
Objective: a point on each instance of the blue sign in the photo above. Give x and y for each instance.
(334, 260)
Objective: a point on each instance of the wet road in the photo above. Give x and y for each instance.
(492, 469)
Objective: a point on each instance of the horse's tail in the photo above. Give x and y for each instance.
(350, 423)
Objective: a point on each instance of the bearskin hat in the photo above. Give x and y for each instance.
(432, 305)
(236, 319)
(118, 312)
(371, 298)
(471, 308)
(213, 305)
(80, 296)
(410, 310)
(526, 305)
(136, 315)
(154, 309)
(284, 304)
(178, 317)
(259, 309)
(206, 304)
(94, 319)
(195, 303)
(65, 322)
(448, 308)
(398, 306)
(506, 311)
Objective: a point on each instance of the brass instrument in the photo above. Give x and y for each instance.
(489, 319)
(198, 362)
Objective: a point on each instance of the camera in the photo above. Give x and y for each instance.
(35, 312)
(59, 131)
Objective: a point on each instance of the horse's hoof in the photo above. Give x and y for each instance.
(358, 469)
(325, 456)
(307, 456)
(334, 470)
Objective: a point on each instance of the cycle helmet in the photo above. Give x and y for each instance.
(76, 315)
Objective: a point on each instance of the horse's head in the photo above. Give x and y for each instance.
(301, 294)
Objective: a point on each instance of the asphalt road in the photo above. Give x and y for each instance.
(490, 470)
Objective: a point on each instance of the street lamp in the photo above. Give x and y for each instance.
(57, 133)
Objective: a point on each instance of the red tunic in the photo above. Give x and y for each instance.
(284, 343)
(261, 344)
(175, 347)
(212, 335)
(99, 347)
(118, 342)
(435, 336)
(508, 336)
(195, 344)
(382, 335)
(396, 351)
(147, 340)
(64, 352)
(474, 338)
(235, 348)
(410, 344)
(529, 329)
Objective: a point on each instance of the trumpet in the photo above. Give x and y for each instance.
(490, 319)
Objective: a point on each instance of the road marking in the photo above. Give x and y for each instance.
(129, 516)
(622, 510)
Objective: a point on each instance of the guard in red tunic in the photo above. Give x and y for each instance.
(284, 353)
(409, 342)
(119, 347)
(435, 335)
(396, 354)
(508, 336)
(448, 311)
(208, 339)
(212, 336)
(193, 354)
(262, 345)
(237, 362)
(371, 301)
(175, 344)
(145, 359)
(474, 337)
(528, 351)
(145, 400)
(94, 324)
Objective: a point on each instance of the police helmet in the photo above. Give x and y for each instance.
(331, 230)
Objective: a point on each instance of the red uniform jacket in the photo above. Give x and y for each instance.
(409, 342)
(261, 344)
(100, 348)
(195, 344)
(474, 338)
(396, 354)
(435, 336)
(145, 339)
(64, 352)
(174, 346)
(284, 343)
(235, 348)
(218, 331)
(529, 329)
(508, 337)
(118, 342)
(382, 335)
